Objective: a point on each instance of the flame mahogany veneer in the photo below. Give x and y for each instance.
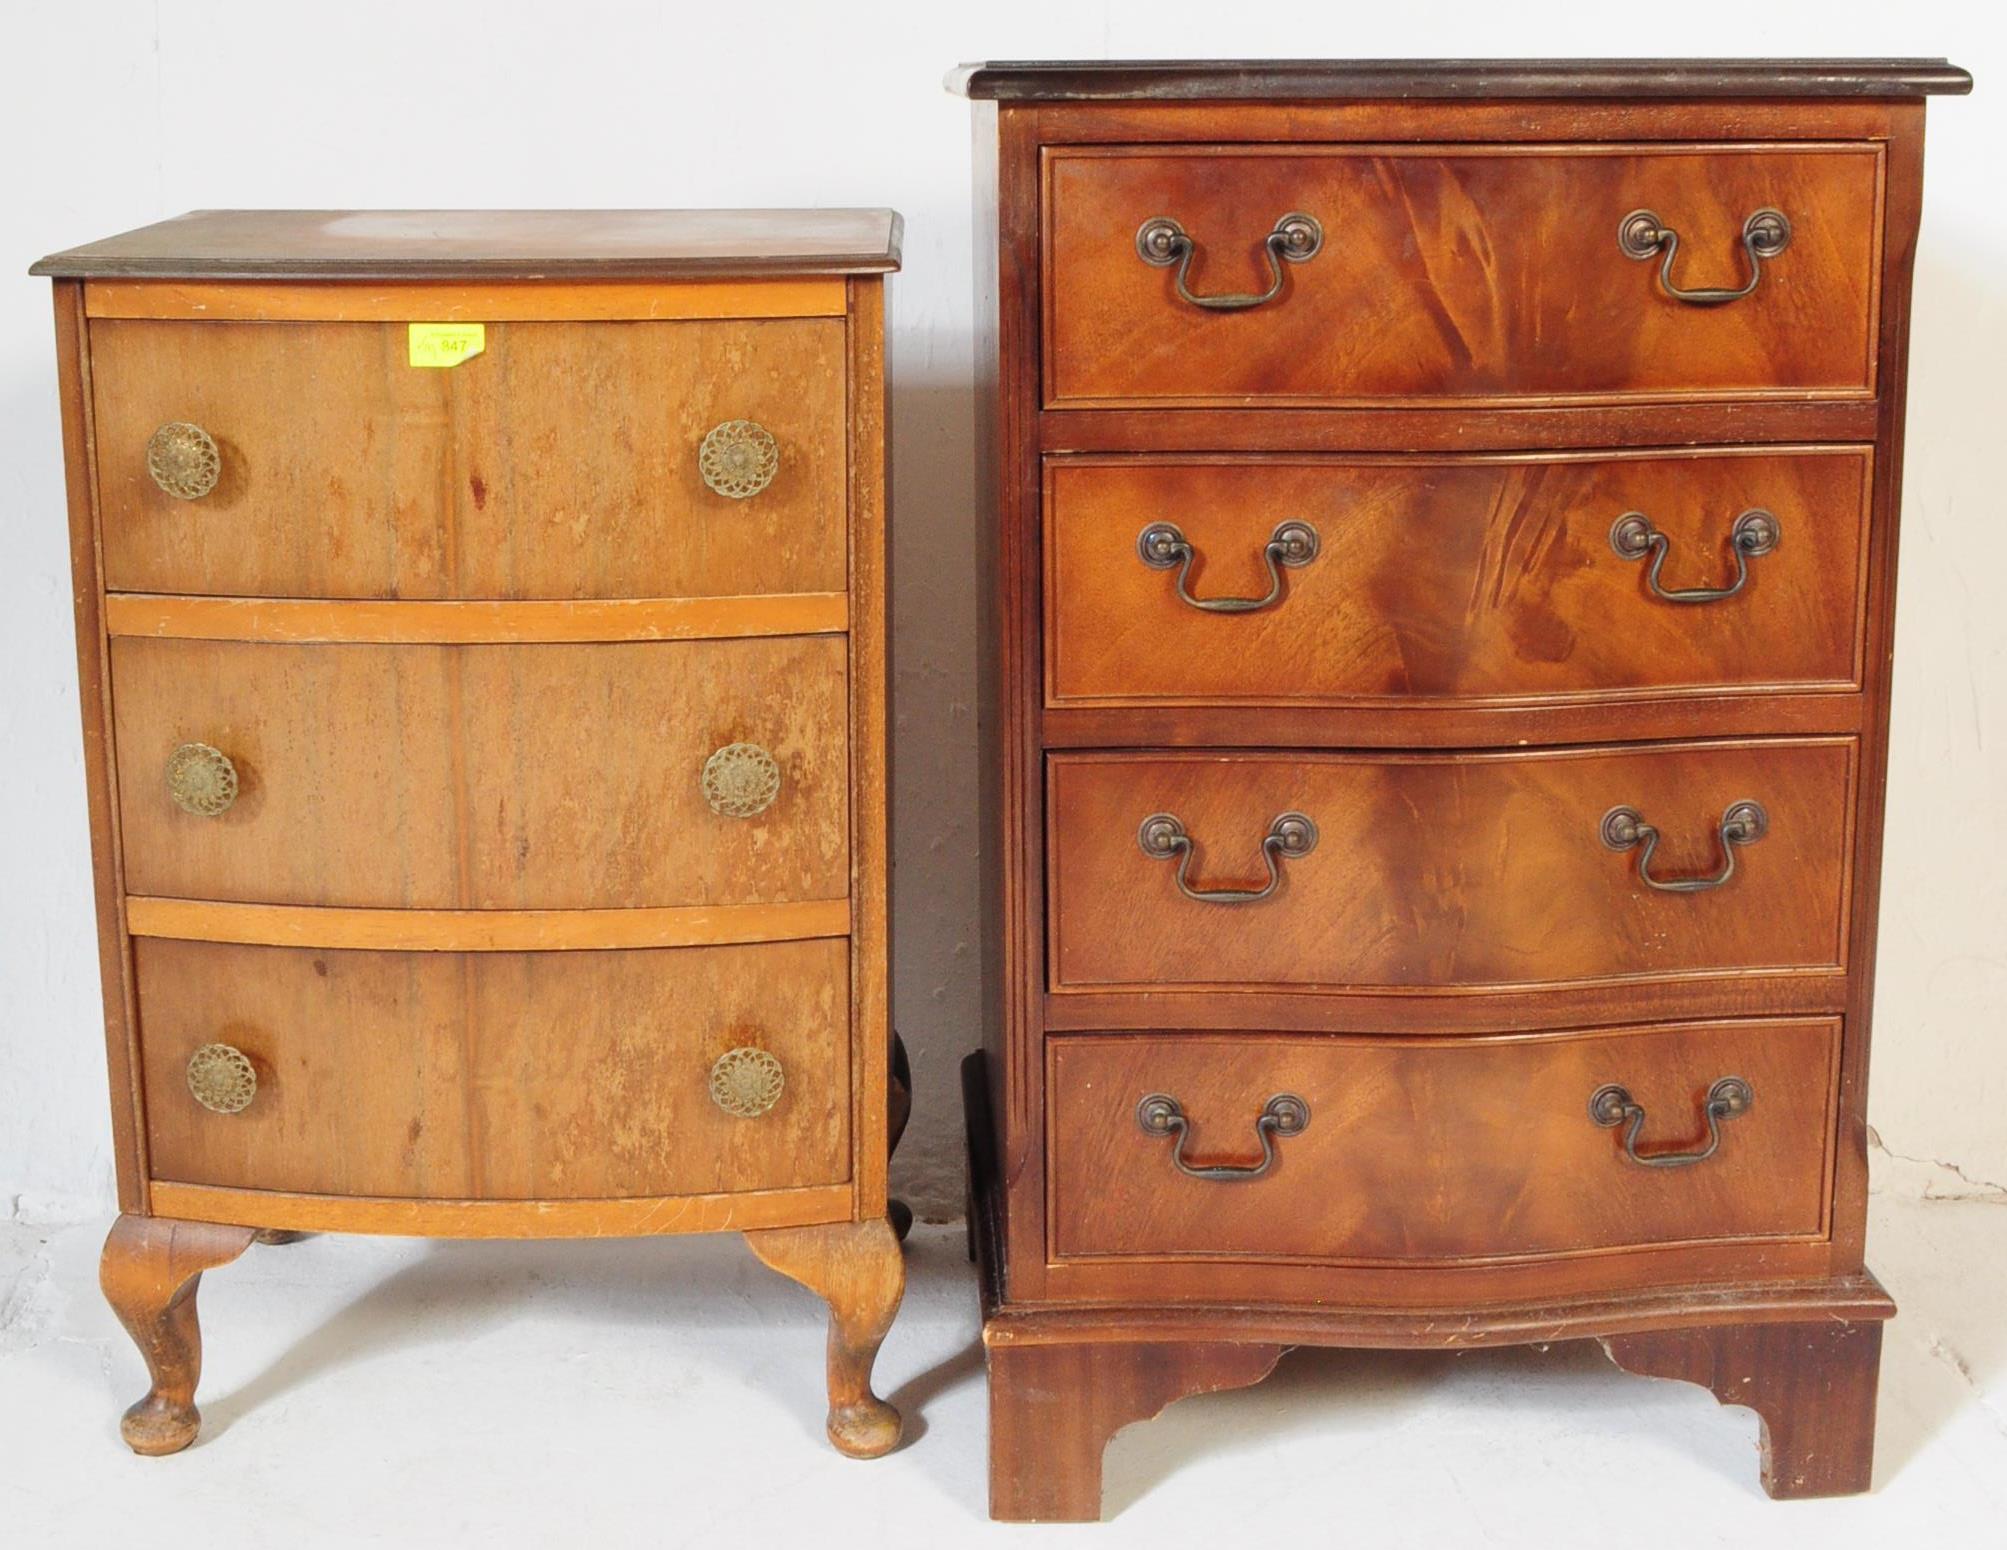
(1359, 652)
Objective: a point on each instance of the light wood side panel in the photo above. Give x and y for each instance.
(1450, 1150)
(1446, 581)
(506, 1076)
(1480, 273)
(619, 619)
(1451, 870)
(485, 777)
(870, 735)
(363, 301)
(561, 462)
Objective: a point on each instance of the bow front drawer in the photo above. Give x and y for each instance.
(565, 460)
(1358, 872)
(649, 774)
(496, 1076)
(1484, 1148)
(1253, 274)
(1297, 580)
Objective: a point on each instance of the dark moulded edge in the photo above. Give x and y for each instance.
(101, 261)
(1221, 80)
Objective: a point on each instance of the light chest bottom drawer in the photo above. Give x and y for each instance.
(1389, 1151)
(496, 1076)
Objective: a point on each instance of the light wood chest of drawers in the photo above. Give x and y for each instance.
(1439, 536)
(482, 627)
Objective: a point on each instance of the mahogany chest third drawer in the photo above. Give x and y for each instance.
(481, 619)
(1439, 553)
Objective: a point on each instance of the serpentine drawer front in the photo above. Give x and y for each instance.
(1310, 581)
(1468, 1149)
(1438, 547)
(1448, 870)
(482, 624)
(1429, 271)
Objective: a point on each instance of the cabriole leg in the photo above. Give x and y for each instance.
(856, 1268)
(150, 1272)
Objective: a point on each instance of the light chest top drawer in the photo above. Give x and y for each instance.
(1292, 580)
(1434, 871)
(568, 459)
(1334, 274)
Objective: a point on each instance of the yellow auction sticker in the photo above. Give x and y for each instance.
(446, 344)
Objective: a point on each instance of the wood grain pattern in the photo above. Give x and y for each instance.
(485, 777)
(483, 931)
(151, 1271)
(351, 301)
(306, 620)
(1812, 1386)
(559, 463)
(1487, 273)
(1451, 580)
(1439, 1150)
(1447, 870)
(870, 744)
(73, 380)
(502, 1076)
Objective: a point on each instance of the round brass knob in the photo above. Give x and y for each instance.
(741, 780)
(222, 1079)
(183, 460)
(746, 1082)
(201, 779)
(738, 459)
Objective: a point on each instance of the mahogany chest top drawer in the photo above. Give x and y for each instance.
(568, 459)
(1190, 275)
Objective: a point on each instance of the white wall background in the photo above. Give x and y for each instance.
(114, 113)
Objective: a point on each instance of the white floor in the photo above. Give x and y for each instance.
(667, 1393)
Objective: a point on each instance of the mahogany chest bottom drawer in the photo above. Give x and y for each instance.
(1350, 1150)
(496, 1076)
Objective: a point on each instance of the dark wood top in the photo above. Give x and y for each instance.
(1187, 80)
(491, 245)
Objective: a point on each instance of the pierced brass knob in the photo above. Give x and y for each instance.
(746, 1082)
(738, 459)
(183, 460)
(741, 780)
(222, 1079)
(201, 779)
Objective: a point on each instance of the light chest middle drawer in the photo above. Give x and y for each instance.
(1431, 871)
(1305, 581)
(581, 459)
(486, 776)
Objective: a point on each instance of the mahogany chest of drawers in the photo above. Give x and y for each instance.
(481, 621)
(1440, 530)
